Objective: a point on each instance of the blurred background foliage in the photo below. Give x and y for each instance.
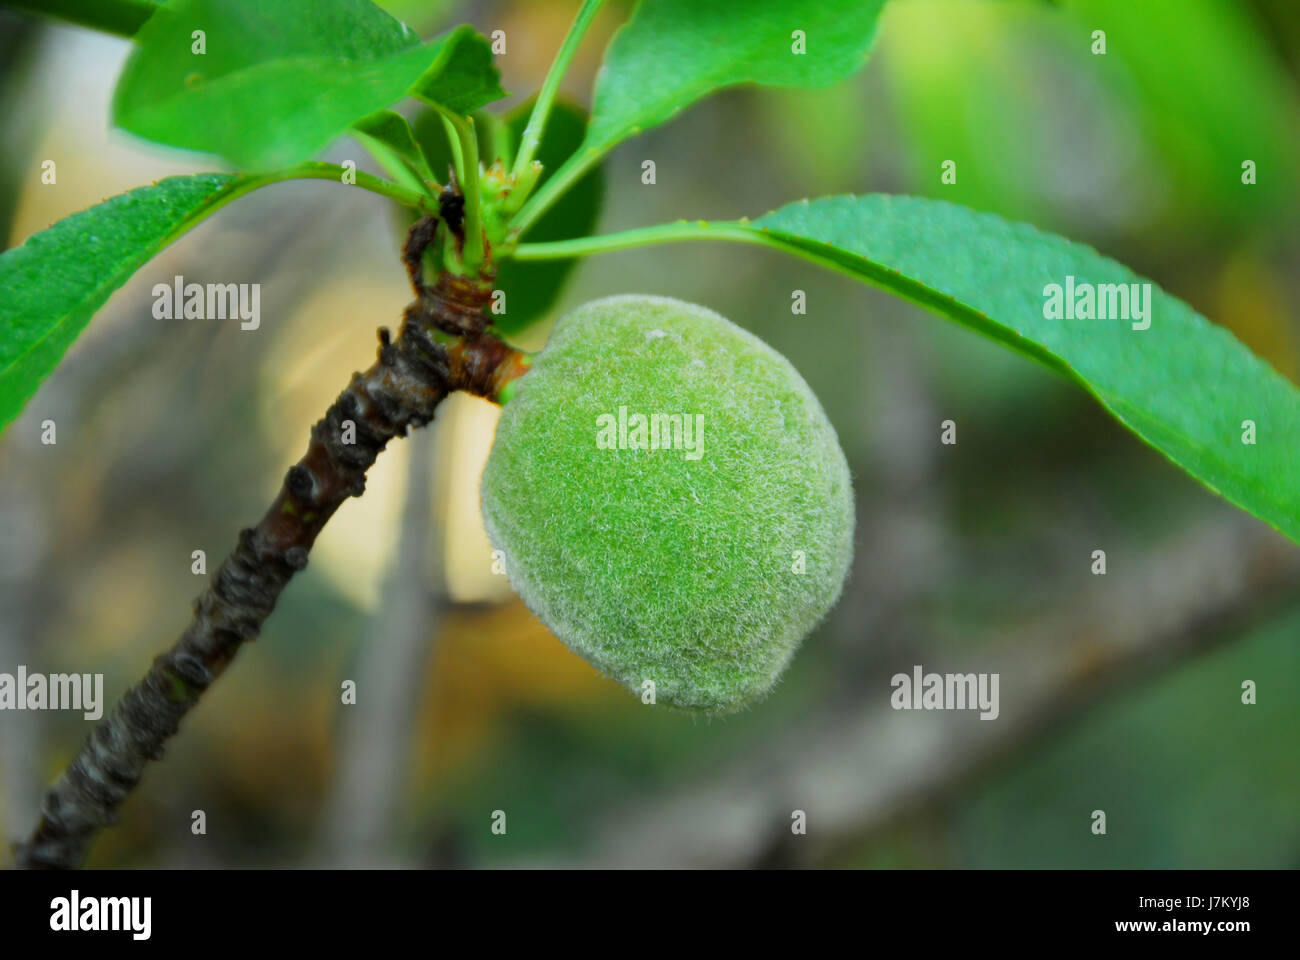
(1119, 693)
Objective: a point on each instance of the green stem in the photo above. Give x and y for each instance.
(120, 17)
(551, 85)
(332, 171)
(470, 187)
(644, 237)
(859, 268)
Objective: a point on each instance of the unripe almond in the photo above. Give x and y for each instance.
(671, 500)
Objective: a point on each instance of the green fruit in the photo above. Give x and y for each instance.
(699, 564)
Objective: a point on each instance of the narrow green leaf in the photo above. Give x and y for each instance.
(274, 83)
(672, 52)
(391, 132)
(464, 78)
(1184, 385)
(55, 281)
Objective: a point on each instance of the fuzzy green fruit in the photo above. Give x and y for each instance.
(698, 564)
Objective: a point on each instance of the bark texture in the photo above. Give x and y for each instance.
(444, 345)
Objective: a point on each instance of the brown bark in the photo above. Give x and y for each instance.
(444, 345)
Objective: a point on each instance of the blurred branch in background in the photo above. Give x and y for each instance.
(19, 48)
(857, 768)
(375, 735)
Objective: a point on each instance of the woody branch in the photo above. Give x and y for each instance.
(444, 345)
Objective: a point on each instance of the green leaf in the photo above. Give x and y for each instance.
(1184, 385)
(277, 82)
(672, 52)
(389, 132)
(464, 78)
(55, 281)
(531, 289)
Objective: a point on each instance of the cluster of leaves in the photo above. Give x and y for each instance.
(280, 82)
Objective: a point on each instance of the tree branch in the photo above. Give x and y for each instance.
(444, 345)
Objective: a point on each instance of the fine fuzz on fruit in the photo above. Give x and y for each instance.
(671, 500)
